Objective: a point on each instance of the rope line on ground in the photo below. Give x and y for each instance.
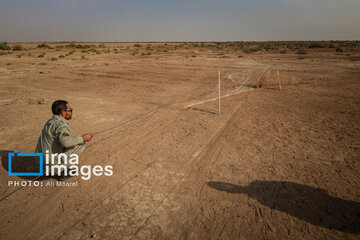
(153, 110)
(137, 174)
(119, 125)
(107, 196)
(8, 195)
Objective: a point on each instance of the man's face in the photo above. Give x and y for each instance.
(67, 113)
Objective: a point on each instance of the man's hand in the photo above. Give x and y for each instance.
(87, 137)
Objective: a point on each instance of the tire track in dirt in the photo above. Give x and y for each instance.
(185, 147)
(44, 203)
(57, 194)
(130, 199)
(42, 206)
(198, 164)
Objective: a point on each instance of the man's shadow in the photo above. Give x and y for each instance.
(22, 164)
(310, 204)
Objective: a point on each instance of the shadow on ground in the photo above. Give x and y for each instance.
(203, 110)
(310, 204)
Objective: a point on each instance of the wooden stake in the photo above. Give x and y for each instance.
(278, 76)
(219, 92)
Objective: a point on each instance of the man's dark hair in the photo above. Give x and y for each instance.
(58, 106)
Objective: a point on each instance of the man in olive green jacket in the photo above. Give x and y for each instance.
(55, 135)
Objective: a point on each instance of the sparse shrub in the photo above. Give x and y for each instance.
(240, 56)
(98, 52)
(339, 49)
(17, 47)
(82, 57)
(41, 55)
(61, 56)
(71, 45)
(83, 46)
(316, 45)
(283, 51)
(53, 59)
(301, 52)
(252, 50)
(29, 54)
(300, 58)
(193, 55)
(102, 45)
(137, 45)
(72, 52)
(19, 55)
(57, 49)
(4, 46)
(267, 47)
(44, 45)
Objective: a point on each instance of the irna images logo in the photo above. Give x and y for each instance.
(55, 165)
(15, 154)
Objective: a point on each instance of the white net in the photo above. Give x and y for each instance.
(231, 83)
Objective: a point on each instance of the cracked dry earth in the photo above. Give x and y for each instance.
(274, 165)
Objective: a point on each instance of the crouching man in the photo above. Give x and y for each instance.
(55, 135)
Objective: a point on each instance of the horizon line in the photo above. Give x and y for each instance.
(74, 41)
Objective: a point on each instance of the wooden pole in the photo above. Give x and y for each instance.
(219, 92)
(278, 76)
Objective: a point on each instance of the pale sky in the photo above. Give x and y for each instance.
(179, 20)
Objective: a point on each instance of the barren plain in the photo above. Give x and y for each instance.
(275, 164)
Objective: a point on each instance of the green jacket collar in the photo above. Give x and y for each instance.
(57, 117)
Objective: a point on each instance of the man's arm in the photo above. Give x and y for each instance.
(65, 139)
